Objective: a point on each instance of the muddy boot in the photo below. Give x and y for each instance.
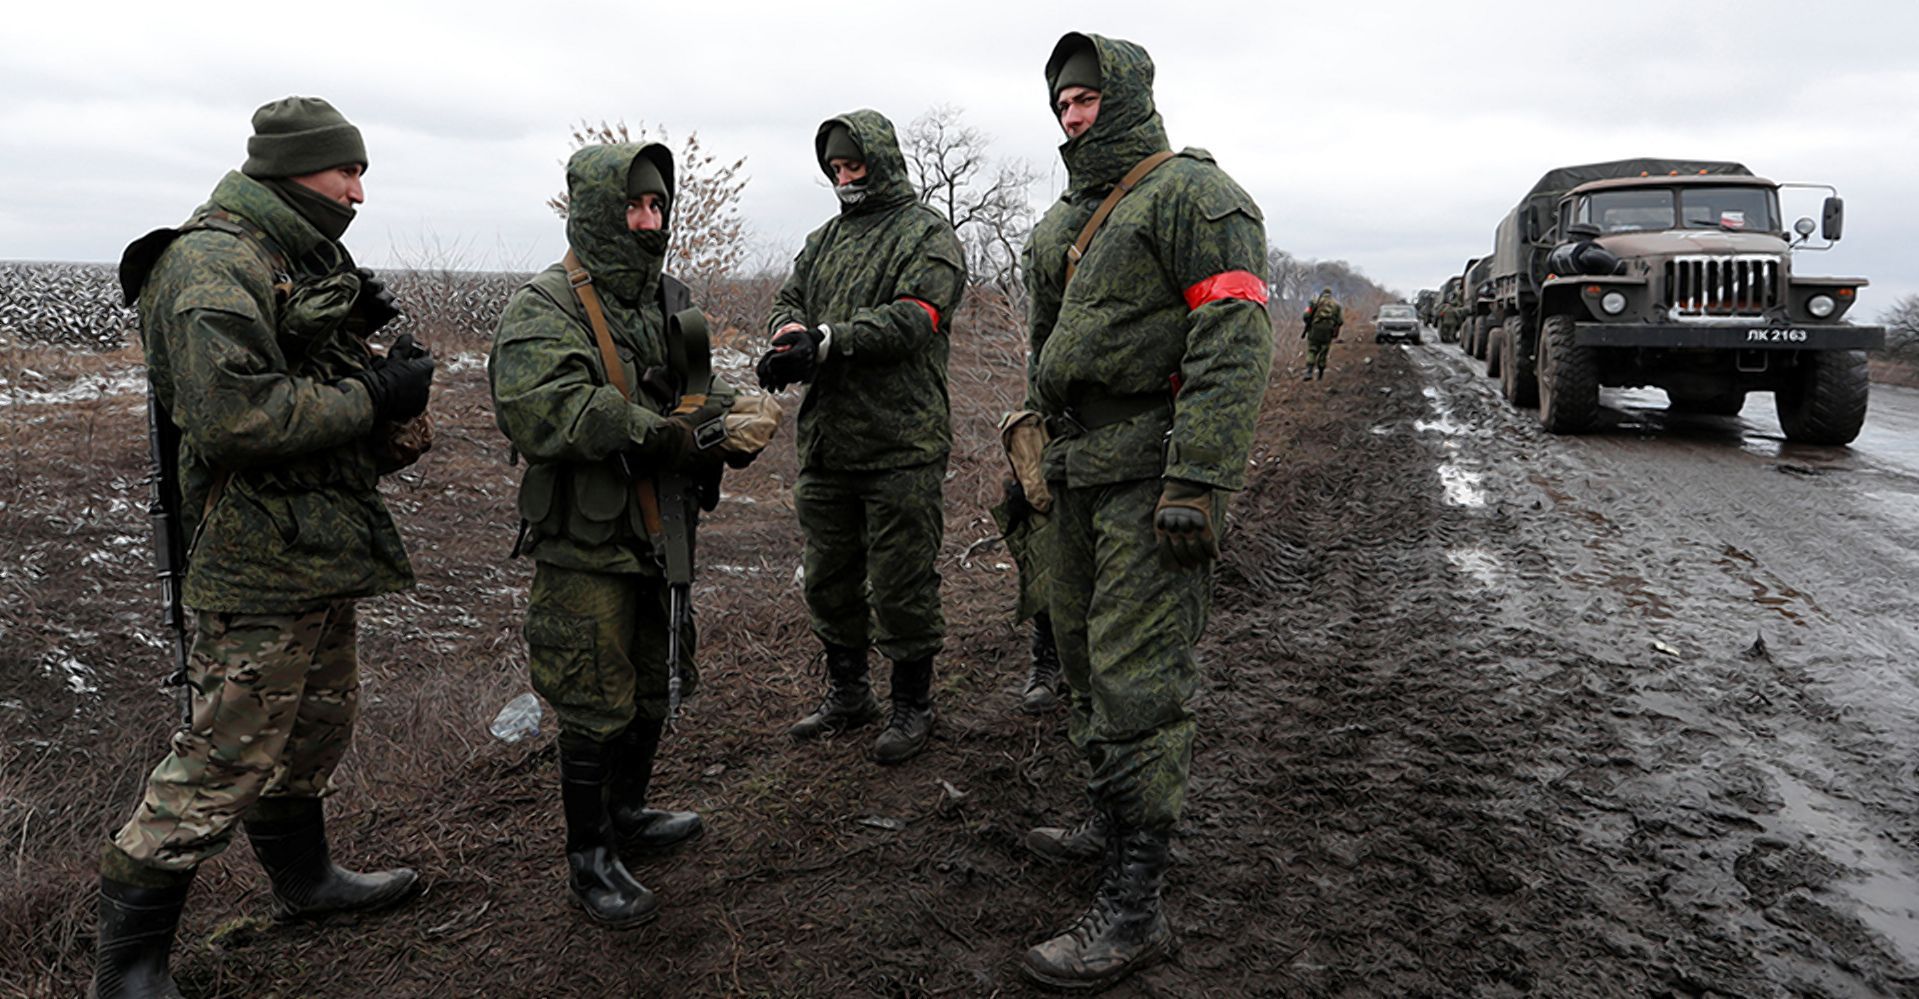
(911, 724)
(1308, 376)
(289, 837)
(643, 829)
(134, 938)
(1043, 680)
(1122, 932)
(600, 883)
(849, 701)
(1083, 844)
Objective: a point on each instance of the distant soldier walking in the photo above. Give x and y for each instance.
(1320, 325)
(863, 320)
(1151, 348)
(600, 379)
(1449, 315)
(255, 323)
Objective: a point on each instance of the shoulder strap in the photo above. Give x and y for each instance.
(1120, 190)
(582, 282)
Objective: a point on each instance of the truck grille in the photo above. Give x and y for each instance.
(1741, 286)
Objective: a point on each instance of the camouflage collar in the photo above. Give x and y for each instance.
(288, 230)
(622, 263)
(1128, 128)
(887, 184)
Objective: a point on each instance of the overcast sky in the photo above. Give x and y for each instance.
(1392, 135)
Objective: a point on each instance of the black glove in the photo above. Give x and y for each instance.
(1183, 523)
(399, 382)
(675, 441)
(795, 357)
(375, 305)
(1014, 496)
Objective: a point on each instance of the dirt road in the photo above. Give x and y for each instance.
(1486, 714)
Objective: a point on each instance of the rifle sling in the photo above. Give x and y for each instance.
(1120, 190)
(582, 283)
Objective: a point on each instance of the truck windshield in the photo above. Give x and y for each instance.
(1396, 312)
(1645, 209)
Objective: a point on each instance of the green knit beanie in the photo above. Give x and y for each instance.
(1081, 69)
(840, 145)
(644, 177)
(298, 136)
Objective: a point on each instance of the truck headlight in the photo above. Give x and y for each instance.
(1613, 303)
(1820, 305)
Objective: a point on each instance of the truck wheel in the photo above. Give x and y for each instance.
(1517, 380)
(1827, 402)
(1723, 404)
(1482, 347)
(1494, 340)
(1568, 379)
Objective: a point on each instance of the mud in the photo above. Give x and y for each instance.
(1487, 713)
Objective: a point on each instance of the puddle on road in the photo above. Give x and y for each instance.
(1884, 888)
(1463, 486)
(1483, 566)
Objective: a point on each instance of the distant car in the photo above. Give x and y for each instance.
(1396, 322)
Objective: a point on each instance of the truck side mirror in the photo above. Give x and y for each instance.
(1833, 222)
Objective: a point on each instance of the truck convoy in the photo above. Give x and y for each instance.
(1673, 274)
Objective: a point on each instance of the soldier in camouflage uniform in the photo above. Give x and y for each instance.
(1319, 326)
(1448, 321)
(1150, 362)
(597, 619)
(863, 319)
(255, 319)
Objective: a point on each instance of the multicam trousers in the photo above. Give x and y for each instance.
(274, 698)
(1317, 347)
(596, 646)
(872, 548)
(1125, 625)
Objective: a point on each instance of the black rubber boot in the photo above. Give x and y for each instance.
(600, 883)
(1082, 844)
(289, 837)
(911, 723)
(849, 701)
(135, 936)
(1043, 679)
(643, 829)
(1124, 930)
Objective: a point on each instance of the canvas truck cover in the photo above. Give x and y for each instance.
(1511, 253)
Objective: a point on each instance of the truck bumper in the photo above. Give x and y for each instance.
(1730, 336)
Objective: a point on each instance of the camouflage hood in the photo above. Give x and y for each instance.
(886, 182)
(624, 264)
(1128, 128)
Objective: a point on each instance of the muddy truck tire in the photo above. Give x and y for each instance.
(1827, 405)
(1568, 379)
(1518, 381)
(1495, 339)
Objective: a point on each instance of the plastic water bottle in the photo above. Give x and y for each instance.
(519, 719)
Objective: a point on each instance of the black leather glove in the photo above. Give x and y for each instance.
(1183, 523)
(676, 441)
(398, 383)
(795, 357)
(1014, 496)
(375, 305)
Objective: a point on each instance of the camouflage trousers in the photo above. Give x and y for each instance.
(1125, 625)
(1317, 347)
(871, 559)
(596, 646)
(1026, 541)
(274, 698)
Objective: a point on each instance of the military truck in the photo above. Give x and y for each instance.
(1678, 275)
(1475, 290)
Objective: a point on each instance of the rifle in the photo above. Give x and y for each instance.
(689, 353)
(169, 544)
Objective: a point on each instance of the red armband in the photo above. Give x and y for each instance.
(1231, 284)
(931, 313)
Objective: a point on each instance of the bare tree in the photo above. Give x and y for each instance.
(1902, 328)
(984, 198)
(709, 237)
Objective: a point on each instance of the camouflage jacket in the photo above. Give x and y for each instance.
(551, 394)
(1324, 317)
(886, 276)
(249, 360)
(1144, 314)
